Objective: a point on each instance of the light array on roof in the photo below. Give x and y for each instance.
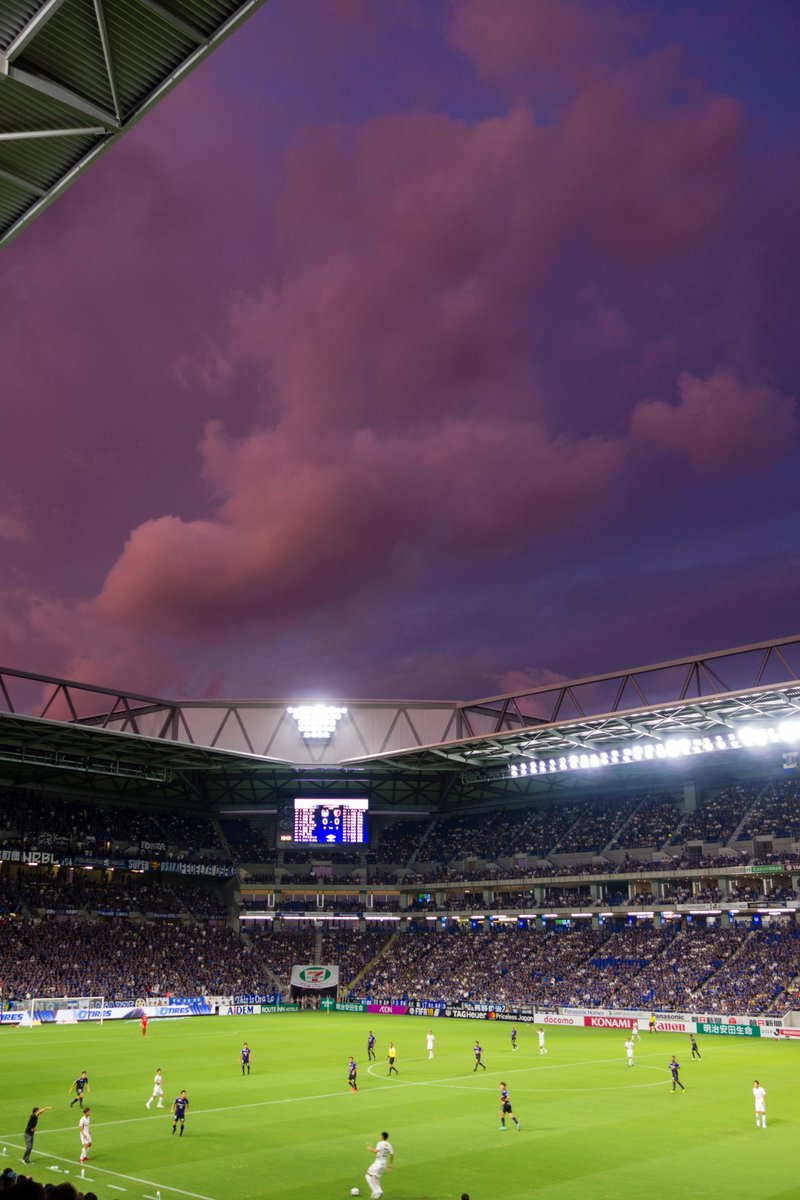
(746, 737)
(316, 721)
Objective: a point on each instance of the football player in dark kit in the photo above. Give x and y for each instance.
(80, 1086)
(505, 1107)
(695, 1052)
(352, 1073)
(245, 1059)
(179, 1107)
(477, 1050)
(370, 1044)
(674, 1068)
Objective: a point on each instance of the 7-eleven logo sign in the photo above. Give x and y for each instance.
(315, 976)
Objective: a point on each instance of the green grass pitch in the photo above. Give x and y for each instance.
(591, 1127)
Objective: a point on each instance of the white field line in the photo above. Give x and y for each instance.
(119, 1175)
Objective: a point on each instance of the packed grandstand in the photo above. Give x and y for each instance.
(627, 900)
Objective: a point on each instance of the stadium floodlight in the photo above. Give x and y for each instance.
(691, 744)
(316, 722)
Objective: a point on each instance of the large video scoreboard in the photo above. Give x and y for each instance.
(330, 822)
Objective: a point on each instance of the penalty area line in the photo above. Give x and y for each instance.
(164, 1187)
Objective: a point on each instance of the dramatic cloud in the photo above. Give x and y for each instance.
(357, 513)
(527, 45)
(720, 424)
(359, 363)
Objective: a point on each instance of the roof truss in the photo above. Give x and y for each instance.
(76, 74)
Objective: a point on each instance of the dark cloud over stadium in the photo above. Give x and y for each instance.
(416, 349)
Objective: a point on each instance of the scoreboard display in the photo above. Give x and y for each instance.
(330, 822)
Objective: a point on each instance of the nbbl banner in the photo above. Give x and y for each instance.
(319, 978)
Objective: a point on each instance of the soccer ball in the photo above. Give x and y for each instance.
(353, 1191)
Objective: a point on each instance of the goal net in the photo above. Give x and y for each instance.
(60, 1010)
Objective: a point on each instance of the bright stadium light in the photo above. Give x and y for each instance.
(316, 722)
(679, 746)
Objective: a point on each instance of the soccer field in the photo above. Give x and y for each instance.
(591, 1127)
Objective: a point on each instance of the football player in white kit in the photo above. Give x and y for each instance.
(760, 1097)
(629, 1050)
(85, 1132)
(158, 1091)
(384, 1157)
(429, 1040)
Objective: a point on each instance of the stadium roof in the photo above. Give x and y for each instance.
(715, 702)
(76, 74)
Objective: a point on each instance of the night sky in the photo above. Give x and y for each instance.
(416, 349)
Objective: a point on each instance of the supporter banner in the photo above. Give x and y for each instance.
(256, 998)
(217, 870)
(29, 856)
(611, 1022)
(395, 1010)
(181, 868)
(315, 977)
(729, 1030)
